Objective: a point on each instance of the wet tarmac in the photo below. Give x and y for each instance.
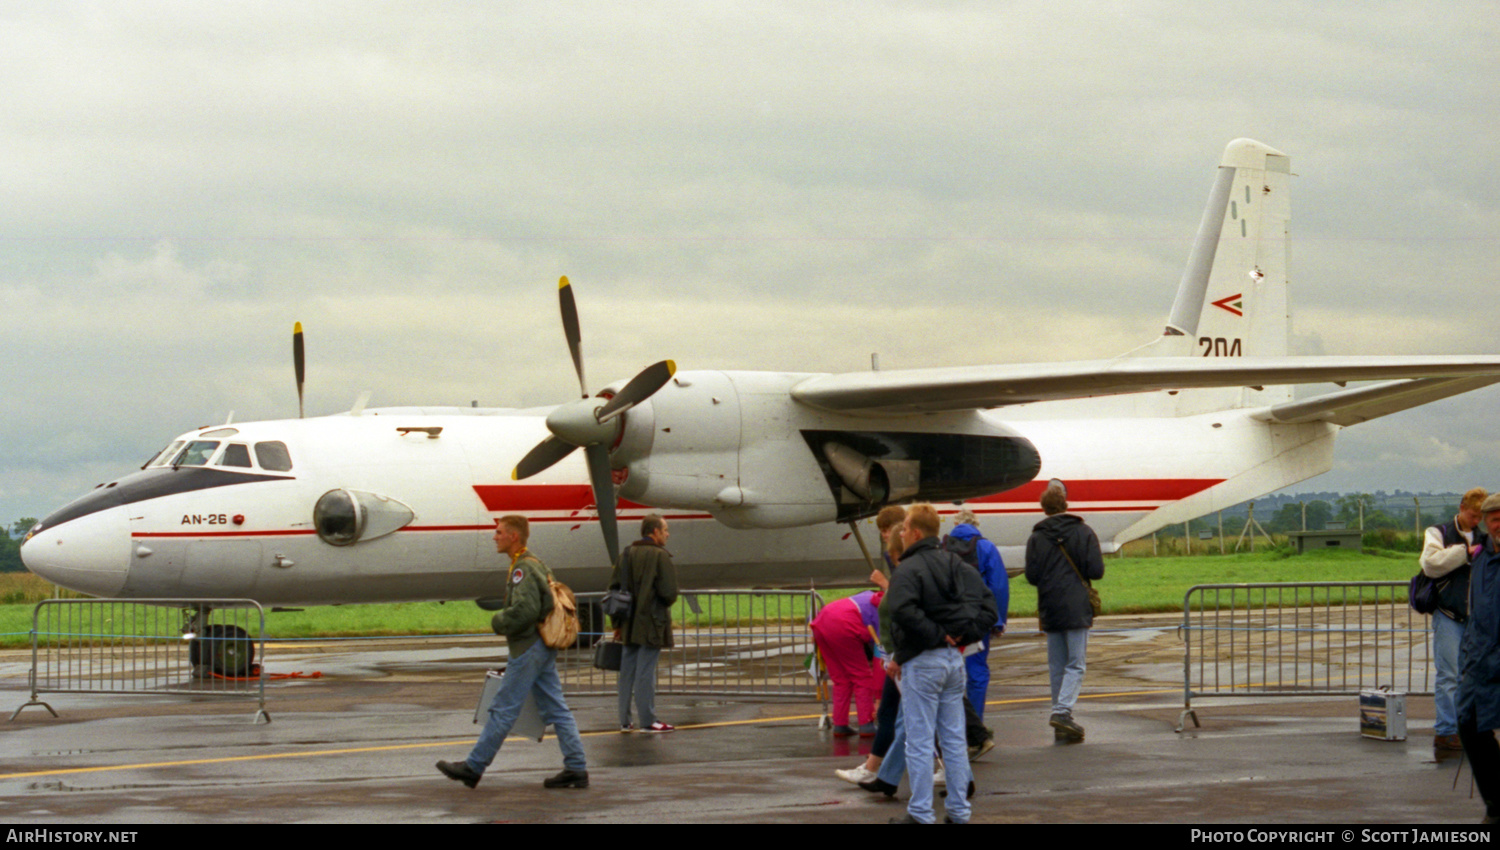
(359, 743)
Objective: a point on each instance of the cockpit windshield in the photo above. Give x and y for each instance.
(270, 455)
(165, 456)
(196, 453)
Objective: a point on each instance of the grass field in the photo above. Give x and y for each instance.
(1131, 585)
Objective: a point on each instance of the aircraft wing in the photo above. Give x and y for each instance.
(970, 387)
(1361, 404)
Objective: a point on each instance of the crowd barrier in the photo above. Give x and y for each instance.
(726, 643)
(1300, 639)
(147, 647)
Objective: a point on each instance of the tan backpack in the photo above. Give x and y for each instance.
(559, 629)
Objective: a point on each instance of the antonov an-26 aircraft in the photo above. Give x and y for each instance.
(756, 471)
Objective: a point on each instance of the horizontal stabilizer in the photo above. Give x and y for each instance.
(1361, 404)
(967, 388)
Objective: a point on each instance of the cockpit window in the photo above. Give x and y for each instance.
(196, 453)
(235, 454)
(273, 456)
(165, 456)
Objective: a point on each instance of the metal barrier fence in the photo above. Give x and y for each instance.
(199, 647)
(1301, 639)
(727, 643)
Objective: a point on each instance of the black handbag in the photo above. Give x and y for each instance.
(617, 604)
(607, 654)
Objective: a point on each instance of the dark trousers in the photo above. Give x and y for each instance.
(974, 730)
(885, 719)
(1484, 760)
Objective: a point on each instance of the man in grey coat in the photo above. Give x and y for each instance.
(645, 569)
(1060, 555)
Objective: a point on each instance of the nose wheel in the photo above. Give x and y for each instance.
(219, 649)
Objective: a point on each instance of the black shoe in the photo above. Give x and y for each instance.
(944, 793)
(1067, 725)
(568, 779)
(460, 772)
(879, 785)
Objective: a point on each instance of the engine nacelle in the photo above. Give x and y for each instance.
(735, 445)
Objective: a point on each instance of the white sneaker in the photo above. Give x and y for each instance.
(855, 775)
(939, 776)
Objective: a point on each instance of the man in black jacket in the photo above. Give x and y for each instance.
(939, 604)
(1060, 555)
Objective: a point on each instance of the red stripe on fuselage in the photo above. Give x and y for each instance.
(519, 498)
(1132, 490)
(1101, 494)
(283, 533)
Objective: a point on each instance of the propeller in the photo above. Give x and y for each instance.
(299, 363)
(588, 423)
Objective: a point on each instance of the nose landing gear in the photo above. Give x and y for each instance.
(218, 649)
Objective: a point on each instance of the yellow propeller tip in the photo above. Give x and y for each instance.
(671, 367)
(514, 476)
(562, 282)
(296, 327)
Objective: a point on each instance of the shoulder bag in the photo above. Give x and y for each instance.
(1094, 601)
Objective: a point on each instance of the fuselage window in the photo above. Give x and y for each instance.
(235, 454)
(273, 456)
(196, 453)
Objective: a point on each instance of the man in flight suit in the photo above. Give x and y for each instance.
(532, 668)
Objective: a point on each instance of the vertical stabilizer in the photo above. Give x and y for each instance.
(1232, 300)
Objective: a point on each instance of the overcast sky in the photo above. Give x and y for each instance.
(781, 186)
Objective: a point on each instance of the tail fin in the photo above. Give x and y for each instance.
(1232, 300)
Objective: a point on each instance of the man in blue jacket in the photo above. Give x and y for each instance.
(966, 542)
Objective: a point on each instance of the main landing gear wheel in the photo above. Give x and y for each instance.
(223, 650)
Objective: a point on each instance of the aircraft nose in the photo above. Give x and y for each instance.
(89, 554)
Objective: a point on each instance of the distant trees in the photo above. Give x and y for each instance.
(10, 551)
(10, 544)
(1289, 518)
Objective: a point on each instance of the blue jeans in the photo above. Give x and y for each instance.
(534, 672)
(932, 702)
(1065, 664)
(638, 677)
(1446, 636)
(893, 766)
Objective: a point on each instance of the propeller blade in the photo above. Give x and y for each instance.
(299, 363)
(571, 329)
(541, 456)
(640, 388)
(604, 497)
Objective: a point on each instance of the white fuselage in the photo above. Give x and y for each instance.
(250, 532)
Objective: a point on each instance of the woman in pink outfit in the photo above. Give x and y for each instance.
(845, 634)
